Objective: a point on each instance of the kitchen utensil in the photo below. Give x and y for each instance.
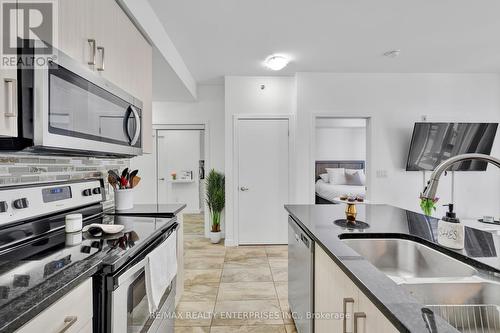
(113, 174)
(135, 181)
(123, 183)
(125, 173)
(132, 175)
(112, 181)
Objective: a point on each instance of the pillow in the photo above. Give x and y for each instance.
(324, 177)
(336, 176)
(355, 177)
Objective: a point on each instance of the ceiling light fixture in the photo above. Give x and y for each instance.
(392, 53)
(276, 62)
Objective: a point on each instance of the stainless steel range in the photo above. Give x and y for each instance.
(35, 250)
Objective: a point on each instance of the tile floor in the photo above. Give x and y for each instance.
(232, 290)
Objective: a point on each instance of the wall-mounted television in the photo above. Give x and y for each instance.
(432, 143)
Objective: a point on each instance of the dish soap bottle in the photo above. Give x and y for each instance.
(451, 233)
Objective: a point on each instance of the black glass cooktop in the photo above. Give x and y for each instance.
(35, 252)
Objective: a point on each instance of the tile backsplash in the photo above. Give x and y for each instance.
(24, 169)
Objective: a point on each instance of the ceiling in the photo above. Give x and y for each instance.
(233, 37)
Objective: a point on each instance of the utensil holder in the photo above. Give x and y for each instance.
(124, 199)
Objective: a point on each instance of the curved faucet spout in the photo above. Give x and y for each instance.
(432, 185)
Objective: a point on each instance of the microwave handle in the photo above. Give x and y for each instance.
(132, 110)
(137, 127)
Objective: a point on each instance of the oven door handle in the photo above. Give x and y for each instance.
(128, 270)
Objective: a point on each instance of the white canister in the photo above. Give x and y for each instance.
(124, 199)
(74, 222)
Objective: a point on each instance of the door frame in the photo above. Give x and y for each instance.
(312, 149)
(207, 151)
(235, 165)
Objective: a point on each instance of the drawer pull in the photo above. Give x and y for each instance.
(345, 301)
(68, 322)
(101, 50)
(358, 315)
(11, 97)
(92, 51)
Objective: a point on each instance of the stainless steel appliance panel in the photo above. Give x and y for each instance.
(300, 277)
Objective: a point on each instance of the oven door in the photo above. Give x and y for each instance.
(130, 311)
(75, 109)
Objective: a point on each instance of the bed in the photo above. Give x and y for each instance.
(325, 192)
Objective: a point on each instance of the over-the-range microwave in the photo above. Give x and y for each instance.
(66, 108)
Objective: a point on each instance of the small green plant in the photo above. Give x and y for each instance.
(428, 205)
(215, 197)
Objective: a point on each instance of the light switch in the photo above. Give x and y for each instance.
(381, 173)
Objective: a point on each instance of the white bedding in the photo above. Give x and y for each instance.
(329, 191)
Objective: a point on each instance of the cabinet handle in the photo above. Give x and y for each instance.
(92, 51)
(11, 97)
(101, 50)
(68, 322)
(358, 315)
(345, 301)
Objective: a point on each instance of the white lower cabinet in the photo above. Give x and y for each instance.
(339, 305)
(70, 314)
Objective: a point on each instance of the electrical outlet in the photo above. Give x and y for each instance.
(381, 173)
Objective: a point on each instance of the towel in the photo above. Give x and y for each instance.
(161, 268)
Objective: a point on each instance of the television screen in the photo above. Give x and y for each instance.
(433, 143)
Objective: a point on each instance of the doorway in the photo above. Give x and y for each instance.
(340, 155)
(262, 179)
(181, 167)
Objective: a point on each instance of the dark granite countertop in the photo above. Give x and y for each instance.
(61, 267)
(164, 210)
(481, 251)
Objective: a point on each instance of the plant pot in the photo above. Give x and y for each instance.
(215, 237)
(124, 199)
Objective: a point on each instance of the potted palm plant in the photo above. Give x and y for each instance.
(215, 201)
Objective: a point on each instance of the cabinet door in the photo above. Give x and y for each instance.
(76, 28)
(369, 319)
(8, 100)
(336, 296)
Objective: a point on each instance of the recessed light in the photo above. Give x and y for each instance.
(392, 53)
(276, 62)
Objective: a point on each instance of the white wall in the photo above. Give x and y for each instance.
(394, 102)
(340, 143)
(209, 110)
(243, 95)
(179, 150)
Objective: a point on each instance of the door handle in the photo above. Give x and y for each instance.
(100, 49)
(92, 51)
(344, 309)
(358, 315)
(11, 97)
(68, 322)
(243, 188)
(162, 179)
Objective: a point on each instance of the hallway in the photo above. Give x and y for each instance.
(233, 290)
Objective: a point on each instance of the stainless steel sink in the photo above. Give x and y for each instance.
(469, 306)
(400, 258)
(453, 293)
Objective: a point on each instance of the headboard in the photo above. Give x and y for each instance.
(322, 165)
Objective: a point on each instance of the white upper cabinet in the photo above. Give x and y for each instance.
(100, 35)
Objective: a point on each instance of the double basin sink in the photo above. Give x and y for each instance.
(454, 290)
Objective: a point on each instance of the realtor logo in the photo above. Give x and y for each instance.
(27, 20)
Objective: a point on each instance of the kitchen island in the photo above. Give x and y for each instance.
(365, 288)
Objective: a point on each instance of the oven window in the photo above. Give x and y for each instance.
(79, 108)
(137, 306)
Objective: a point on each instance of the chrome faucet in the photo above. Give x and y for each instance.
(431, 188)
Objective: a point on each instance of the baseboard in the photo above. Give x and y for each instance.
(230, 243)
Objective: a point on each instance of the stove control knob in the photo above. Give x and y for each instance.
(87, 192)
(3, 206)
(21, 203)
(96, 190)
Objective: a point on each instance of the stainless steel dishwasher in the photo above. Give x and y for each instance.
(300, 277)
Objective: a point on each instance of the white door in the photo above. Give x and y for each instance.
(263, 164)
(179, 153)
